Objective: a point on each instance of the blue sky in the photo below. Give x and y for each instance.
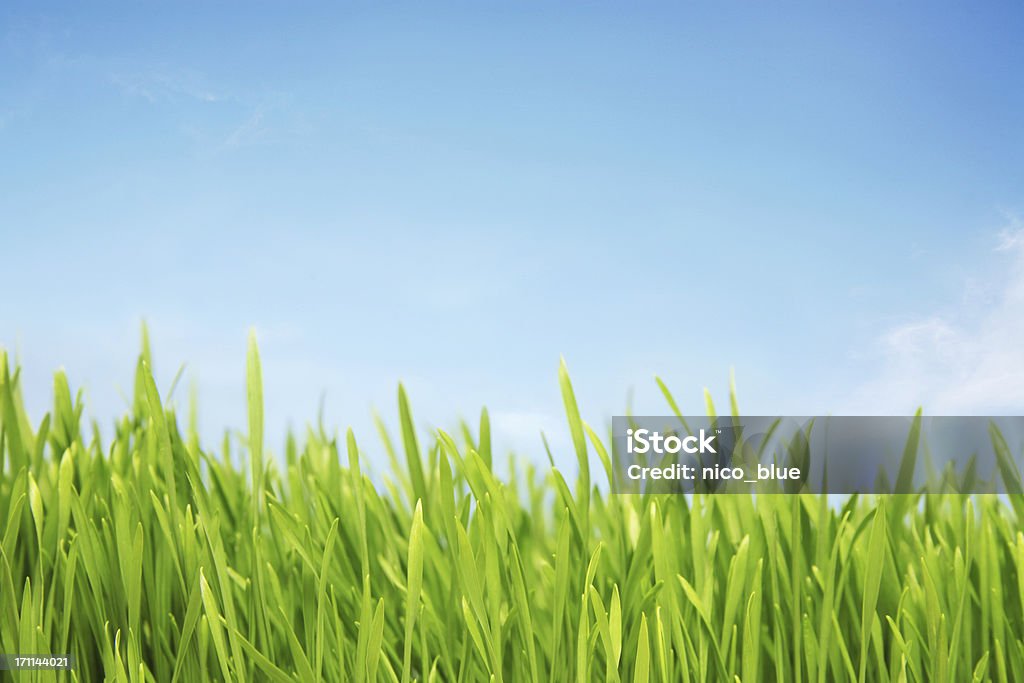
(825, 198)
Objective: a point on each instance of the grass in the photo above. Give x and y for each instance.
(156, 558)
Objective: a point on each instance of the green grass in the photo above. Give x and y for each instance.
(155, 557)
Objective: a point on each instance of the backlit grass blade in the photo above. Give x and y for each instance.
(216, 629)
(484, 442)
(908, 463)
(752, 627)
(415, 584)
(165, 455)
(579, 442)
(322, 604)
(412, 449)
(254, 392)
(17, 449)
(875, 562)
(641, 672)
(670, 399)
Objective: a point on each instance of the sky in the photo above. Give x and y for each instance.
(825, 199)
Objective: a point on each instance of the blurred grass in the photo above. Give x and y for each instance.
(155, 558)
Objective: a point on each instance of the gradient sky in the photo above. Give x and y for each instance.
(824, 197)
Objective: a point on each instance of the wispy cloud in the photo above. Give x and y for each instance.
(163, 84)
(251, 130)
(1011, 238)
(241, 117)
(969, 360)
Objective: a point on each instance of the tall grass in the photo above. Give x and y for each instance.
(155, 557)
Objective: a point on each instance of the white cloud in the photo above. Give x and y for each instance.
(969, 360)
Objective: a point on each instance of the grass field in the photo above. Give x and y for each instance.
(154, 557)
